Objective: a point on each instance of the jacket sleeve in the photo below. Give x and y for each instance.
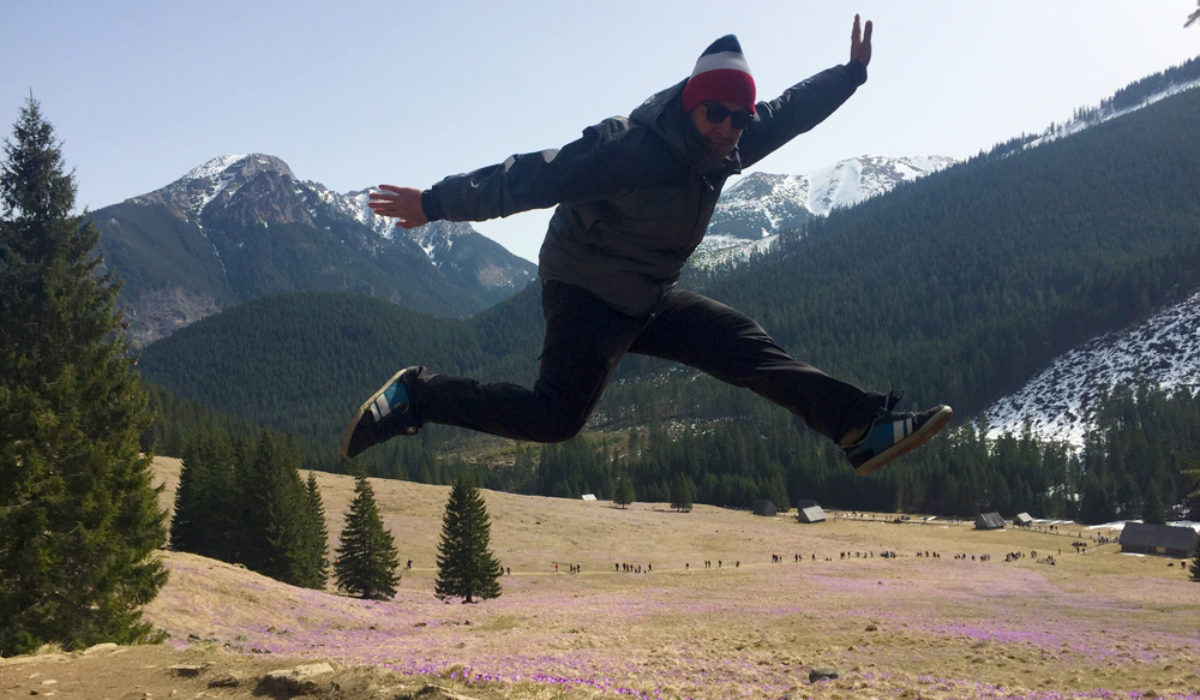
(798, 109)
(605, 161)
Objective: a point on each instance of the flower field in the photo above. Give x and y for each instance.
(728, 605)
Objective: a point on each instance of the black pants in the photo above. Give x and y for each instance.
(585, 339)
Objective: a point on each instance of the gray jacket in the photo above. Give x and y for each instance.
(634, 194)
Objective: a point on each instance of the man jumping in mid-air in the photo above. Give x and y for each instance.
(634, 196)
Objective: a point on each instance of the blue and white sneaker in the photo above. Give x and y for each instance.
(385, 415)
(893, 434)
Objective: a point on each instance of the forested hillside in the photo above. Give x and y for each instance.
(955, 289)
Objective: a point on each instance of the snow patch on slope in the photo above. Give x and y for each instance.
(1058, 131)
(1059, 402)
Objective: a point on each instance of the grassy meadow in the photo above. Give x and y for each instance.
(945, 617)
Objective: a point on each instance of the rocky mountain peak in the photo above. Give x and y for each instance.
(218, 178)
(755, 209)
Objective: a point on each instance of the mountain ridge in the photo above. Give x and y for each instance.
(1009, 216)
(752, 213)
(991, 292)
(239, 226)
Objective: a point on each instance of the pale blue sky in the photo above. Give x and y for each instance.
(407, 92)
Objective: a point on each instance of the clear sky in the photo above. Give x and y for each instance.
(407, 92)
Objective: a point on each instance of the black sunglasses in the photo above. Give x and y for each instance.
(716, 113)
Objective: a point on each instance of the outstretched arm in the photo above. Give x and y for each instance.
(808, 103)
(860, 42)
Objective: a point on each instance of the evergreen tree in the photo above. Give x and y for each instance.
(191, 504)
(1153, 510)
(275, 513)
(624, 494)
(1195, 568)
(289, 528)
(681, 492)
(79, 520)
(366, 558)
(203, 522)
(1193, 497)
(316, 561)
(776, 490)
(465, 566)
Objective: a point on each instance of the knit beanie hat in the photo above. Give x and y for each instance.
(722, 75)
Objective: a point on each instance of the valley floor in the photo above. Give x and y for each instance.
(945, 617)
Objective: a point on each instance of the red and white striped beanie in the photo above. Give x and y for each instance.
(722, 75)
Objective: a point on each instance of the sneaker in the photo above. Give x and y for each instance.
(893, 434)
(385, 415)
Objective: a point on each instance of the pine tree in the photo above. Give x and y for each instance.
(624, 493)
(187, 531)
(622, 485)
(79, 520)
(203, 521)
(681, 493)
(1153, 510)
(366, 558)
(316, 549)
(465, 566)
(777, 490)
(288, 520)
(272, 509)
(1193, 497)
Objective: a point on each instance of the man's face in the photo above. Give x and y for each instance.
(720, 135)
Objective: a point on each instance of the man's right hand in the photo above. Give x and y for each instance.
(400, 203)
(860, 44)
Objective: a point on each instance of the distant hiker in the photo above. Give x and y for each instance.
(634, 199)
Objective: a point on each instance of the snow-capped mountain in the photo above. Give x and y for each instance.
(1059, 403)
(221, 178)
(241, 226)
(204, 183)
(851, 181)
(755, 209)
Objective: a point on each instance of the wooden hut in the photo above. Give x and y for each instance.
(811, 514)
(764, 506)
(989, 521)
(1168, 540)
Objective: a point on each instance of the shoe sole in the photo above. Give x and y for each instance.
(921, 436)
(349, 431)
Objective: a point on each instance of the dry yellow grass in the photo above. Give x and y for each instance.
(909, 626)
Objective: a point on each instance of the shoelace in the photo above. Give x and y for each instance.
(889, 402)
